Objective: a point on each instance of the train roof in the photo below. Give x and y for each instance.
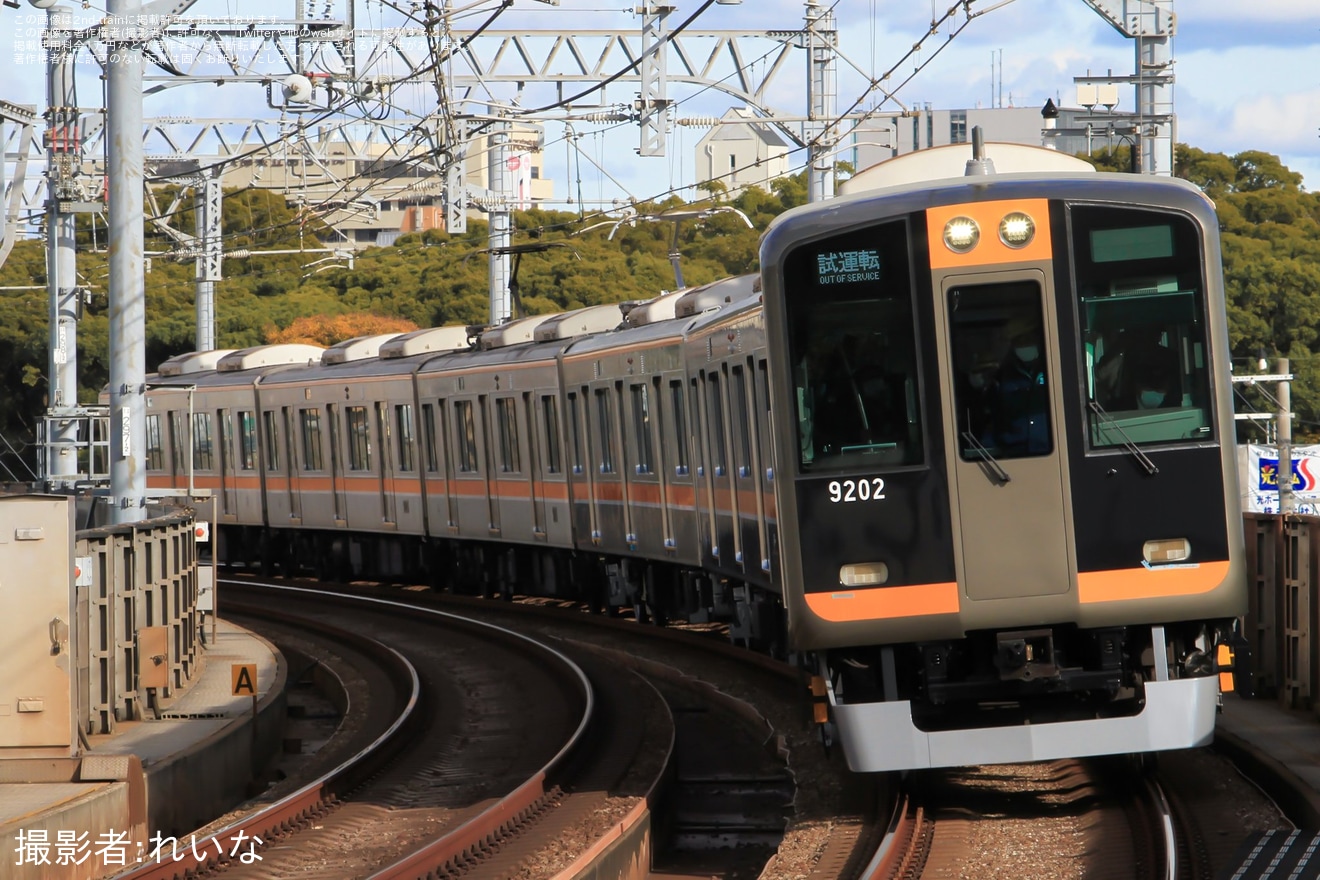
(950, 161)
(874, 206)
(512, 332)
(579, 322)
(432, 340)
(717, 294)
(487, 357)
(650, 311)
(355, 349)
(261, 356)
(192, 362)
(714, 317)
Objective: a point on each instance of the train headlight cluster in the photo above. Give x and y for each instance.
(961, 234)
(1017, 230)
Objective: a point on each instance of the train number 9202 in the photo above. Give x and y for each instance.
(843, 491)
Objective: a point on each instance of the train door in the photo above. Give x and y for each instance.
(1007, 435)
(763, 471)
(742, 468)
(535, 461)
(336, 466)
(449, 468)
(705, 494)
(228, 504)
(728, 534)
(486, 430)
(656, 440)
(579, 447)
(384, 436)
(626, 475)
(292, 487)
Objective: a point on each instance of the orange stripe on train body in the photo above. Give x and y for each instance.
(989, 249)
(915, 600)
(1157, 582)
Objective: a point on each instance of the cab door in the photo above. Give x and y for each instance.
(1001, 351)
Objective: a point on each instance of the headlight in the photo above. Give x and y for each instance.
(961, 234)
(1017, 230)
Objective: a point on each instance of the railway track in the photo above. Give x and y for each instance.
(1072, 818)
(403, 797)
(829, 826)
(1111, 818)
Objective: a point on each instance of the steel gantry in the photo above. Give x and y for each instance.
(1151, 24)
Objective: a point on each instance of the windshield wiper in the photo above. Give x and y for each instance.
(991, 464)
(1133, 448)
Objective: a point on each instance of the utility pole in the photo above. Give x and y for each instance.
(821, 38)
(207, 212)
(64, 154)
(500, 212)
(123, 148)
(1284, 392)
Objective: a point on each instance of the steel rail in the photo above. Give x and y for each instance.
(288, 811)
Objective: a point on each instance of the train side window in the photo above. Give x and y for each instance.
(1141, 298)
(605, 425)
(550, 416)
(177, 435)
(698, 430)
(465, 426)
(403, 420)
(716, 422)
(359, 438)
(1008, 414)
(247, 437)
(202, 458)
(507, 416)
(741, 428)
(681, 438)
(575, 433)
(853, 350)
(428, 437)
(155, 452)
(311, 440)
(272, 440)
(641, 413)
(226, 438)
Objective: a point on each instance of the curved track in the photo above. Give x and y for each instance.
(405, 792)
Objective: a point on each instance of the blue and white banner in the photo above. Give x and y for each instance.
(1260, 482)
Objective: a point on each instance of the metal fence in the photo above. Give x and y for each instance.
(137, 603)
(1284, 561)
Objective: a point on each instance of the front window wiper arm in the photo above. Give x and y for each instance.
(1109, 422)
(991, 463)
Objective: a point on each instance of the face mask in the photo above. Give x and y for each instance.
(1150, 399)
(1027, 353)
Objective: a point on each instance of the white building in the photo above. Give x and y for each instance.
(740, 154)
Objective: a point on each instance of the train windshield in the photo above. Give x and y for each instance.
(853, 350)
(1142, 305)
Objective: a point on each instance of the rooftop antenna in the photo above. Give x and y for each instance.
(979, 165)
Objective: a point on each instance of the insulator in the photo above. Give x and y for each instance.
(698, 121)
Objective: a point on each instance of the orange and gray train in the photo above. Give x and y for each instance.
(963, 449)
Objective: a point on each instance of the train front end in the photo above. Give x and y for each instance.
(1010, 526)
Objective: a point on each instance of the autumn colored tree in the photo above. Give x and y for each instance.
(326, 330)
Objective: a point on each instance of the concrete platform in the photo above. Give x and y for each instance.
(1281, 749)
(85, 818)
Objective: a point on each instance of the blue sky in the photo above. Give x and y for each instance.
(1243, 81)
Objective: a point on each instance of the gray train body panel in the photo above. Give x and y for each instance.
(630, 468)
(497, 483)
